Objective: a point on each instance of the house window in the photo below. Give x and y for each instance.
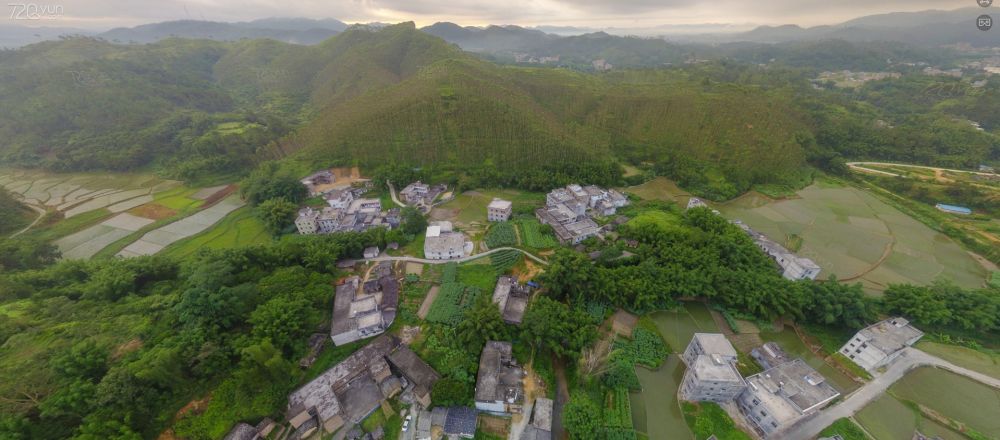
(755, 402)
(774, 424)
(763, 414)
(852, 356)
(857, 351)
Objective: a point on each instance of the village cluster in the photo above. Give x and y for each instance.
(361, 384)
(788, 389)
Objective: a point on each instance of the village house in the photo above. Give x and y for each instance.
(442, 242)
(618, 198)
(351, 390)
(793, 266)
(461, 422)
(308, 221)
(499, 210)
(371, 252)
(358, 315)
(879, 344)
(770, 355)
(711, 375)
(329, 219)
(243, 431)
(540, 427)
(594, 195)
(605, 207)
(315, 181)
(567, 227)
(414, 191)
(781, 395)
(342, 199)
(499, 387)
(512, 298)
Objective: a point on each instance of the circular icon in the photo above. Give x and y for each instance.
(984, 22)
(984, 3)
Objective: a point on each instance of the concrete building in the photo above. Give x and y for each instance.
(499, 210)
(512, 298)
(567, 228)
(414, 191)
(371, 252)
(594, 195)
(881, 343)
(308, 221)
(710, 375)
(441, 243)
(358, 315)
(605, 207)
(540, 427)
(559, 196)
(329, 219)
(793, 266)
(695, 202)
(316, 182)
(354, 388)
(618, 198)
(783, 394)
(499, 387)
(365, 206)
(770, 355)
(340, 199)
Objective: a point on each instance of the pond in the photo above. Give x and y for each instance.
(655, 410)
(790, 342)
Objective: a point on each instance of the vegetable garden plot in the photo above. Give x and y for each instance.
(504, 260)
(531, 237)
(448, 304)
(501, 234)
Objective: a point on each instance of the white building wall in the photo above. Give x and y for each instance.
(495, 406)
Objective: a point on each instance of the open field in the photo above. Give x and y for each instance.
(853, 235)
(237, 229)
(469, 207)
(953, 396)
(157, 239)
(889, 419)
(988, 364)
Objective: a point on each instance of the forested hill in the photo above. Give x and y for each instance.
(465, 110)
(190, 105)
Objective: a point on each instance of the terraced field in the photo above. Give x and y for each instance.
(157, 239)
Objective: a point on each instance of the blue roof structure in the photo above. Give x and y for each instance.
(954, 209)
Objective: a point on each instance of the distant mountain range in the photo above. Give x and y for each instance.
(924, 28)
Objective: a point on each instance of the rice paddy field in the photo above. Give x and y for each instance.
(889, 419)
(237, 229)
(988, 364)
(953, 396)
(156, 240)
(856, 237)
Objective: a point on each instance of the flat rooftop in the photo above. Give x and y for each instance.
(543, 414)
(445, 242)
(890, 335)
(791, 389)
(500, 204)
(715, 343)
(715, 367)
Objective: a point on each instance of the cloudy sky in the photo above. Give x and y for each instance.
(103, 14)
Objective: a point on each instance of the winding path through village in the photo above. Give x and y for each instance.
(911, 359)
(392, 192)
(460, 260)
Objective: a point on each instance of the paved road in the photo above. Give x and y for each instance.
(41, 213)
(810, 426)
(458, 260)
(516, 429)
(392, 192)
(856, 165)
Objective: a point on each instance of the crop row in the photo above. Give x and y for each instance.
(504, 260)
(501, 234)
(450, 271)
(447, 306)
(532, 237)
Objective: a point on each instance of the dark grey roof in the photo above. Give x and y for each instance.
(414, 368)
(438, 415)
(378, 433)
(461, 421)
(346, 264)
(354, 433)
(242, 431)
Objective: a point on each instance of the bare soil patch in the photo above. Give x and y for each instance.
(217, 197)
(494, 425)
(153, 211)
(528, 271)
(196, 407)
(425, 307)
(409, 334)
(134, 344)
(444, 214)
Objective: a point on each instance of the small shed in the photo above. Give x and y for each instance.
(347, 264)
(371, 252)
(393, 245)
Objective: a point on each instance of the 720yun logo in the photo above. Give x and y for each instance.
(31, 11)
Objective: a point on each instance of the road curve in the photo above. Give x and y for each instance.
(457, 260)
(392, 192)
(811, 426)
(41, 213)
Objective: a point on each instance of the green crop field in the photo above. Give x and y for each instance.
(988, 364)
(847, 232)
(237, 229)
(953, 396)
